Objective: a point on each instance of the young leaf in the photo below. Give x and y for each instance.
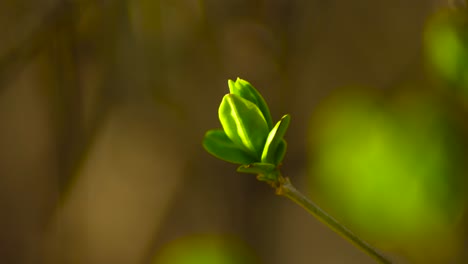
(257, 168)
(269, 154)
(280, 152)
(243, 123)
(245, 90)
(217, 143)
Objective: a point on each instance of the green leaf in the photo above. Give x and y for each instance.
(243, 123)
(245, 90)
(280, 152)
(217, 143)
(269, 154)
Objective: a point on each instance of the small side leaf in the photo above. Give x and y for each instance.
(264, 171)
(275, 137)
(280, 152)
(257, 168)
(217, 143)
(243, 123)
(245, 90)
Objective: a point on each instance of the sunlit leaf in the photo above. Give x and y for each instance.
(245, 90)
(243, 123)
(274, 138)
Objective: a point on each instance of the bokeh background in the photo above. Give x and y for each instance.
(104, 103)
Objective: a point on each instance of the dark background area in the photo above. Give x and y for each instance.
(103, 106)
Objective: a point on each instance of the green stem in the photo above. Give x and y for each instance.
(285, 188)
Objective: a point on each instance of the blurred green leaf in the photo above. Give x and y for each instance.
(390, 169)
(446, 42)
(205, 250)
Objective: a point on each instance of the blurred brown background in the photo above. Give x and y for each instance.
(103, 106)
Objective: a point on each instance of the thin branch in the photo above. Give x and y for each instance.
(288, 190)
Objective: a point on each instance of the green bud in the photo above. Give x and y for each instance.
(217, 143)
(270, 152)
(245, 90)
(248, 137)
(243, 123)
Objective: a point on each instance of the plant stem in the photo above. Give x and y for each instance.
(285, 188)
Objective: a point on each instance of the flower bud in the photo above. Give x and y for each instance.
(245, 90)
(243, 123)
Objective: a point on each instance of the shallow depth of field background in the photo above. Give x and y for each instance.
(103, 106)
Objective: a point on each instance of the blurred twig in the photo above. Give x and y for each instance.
(78, 141)
(67, 95)
(14, 60)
